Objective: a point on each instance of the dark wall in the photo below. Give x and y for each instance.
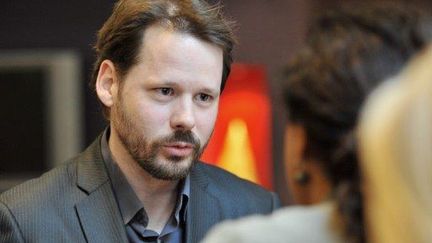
(322, 5)
(53, 24)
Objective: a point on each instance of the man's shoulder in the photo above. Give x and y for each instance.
(220, 177)
(224, 184)
(39, 190)
(56, 185)
(40, 208)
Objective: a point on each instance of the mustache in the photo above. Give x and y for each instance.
(183, 136)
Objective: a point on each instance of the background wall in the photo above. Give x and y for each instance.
(52, 24)
(269, 32)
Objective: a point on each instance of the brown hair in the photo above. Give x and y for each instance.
(119, 39)
(348, 53)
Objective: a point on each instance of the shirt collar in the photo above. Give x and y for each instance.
(127, 200)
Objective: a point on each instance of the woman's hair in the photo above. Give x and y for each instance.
(347, 54)
(395, 137)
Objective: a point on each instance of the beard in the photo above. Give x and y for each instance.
(148, 153)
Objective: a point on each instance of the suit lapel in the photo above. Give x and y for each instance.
(204, 209)
(98, 213)
(100, 218)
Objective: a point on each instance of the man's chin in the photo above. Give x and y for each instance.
(170, 169)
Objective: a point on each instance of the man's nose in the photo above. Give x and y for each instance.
(183, 115)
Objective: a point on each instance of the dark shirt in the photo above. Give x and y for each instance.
(133, 213)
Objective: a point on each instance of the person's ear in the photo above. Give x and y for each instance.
(294, 144)
(296, 174)
(107, 83)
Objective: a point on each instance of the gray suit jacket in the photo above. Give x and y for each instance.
(75, 203)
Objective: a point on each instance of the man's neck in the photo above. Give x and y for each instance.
(158, 197)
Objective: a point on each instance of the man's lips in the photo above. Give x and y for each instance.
(178, 149)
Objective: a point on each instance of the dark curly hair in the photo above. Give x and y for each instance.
(348, 53)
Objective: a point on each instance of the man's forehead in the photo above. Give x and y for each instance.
(163, 39)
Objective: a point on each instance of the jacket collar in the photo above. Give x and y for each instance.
(98, 213)
(91, 171)
(204, 209)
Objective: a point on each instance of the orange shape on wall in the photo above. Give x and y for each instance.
(236, 154)
(241, 142)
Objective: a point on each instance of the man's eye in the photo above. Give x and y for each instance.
(204, 97)
(165, 91)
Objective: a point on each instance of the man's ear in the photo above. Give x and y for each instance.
(107, 83)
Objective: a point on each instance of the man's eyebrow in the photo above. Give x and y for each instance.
(162, 82)
(209, 90)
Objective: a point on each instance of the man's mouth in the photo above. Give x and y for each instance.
(178, 149)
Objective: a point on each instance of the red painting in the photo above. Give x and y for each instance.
(241, 141)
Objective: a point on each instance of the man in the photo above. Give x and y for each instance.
(160, 69)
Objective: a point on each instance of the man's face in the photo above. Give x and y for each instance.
(167, 105)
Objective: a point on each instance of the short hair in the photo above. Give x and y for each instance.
(348, 53)
(120, 38)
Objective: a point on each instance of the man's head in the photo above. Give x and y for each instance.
(159, 74)
(120, 38)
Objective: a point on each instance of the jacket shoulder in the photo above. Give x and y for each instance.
(40, 191)
(55, 186)
(44, 209)
(237, 191)
(223, 178)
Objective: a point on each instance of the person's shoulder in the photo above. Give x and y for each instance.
(227, 180)
(255, 228)
(281, 219)
(41, 190)
(55, 186)
(286, 225)
(297, 216)
(43, 206)
(236, 190)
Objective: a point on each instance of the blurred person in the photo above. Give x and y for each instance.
(161, 66)
(395, 138)
(347, 54)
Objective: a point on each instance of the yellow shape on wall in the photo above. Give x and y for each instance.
(237, 156)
